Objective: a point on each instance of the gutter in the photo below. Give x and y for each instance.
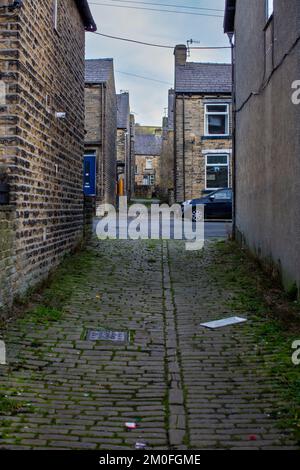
(86, 15)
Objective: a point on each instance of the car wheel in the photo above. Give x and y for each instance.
(197, 215)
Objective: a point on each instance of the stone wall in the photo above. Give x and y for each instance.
(132, 155)
(7, 258)
(191, 145)
(166, 165)
(43, 72)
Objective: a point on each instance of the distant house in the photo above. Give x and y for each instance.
(101, 129)
(166, 165)
(265, 36)
(41, 138)
(148, 148)
(125, 142)
(202, 126)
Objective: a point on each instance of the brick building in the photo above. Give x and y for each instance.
(148, 148)
(202, 126)
(125, 142)
(41, 136)
(265, 36)
(101, 125)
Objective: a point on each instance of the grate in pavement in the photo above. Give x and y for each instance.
(106, 335)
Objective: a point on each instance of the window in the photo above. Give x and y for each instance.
(216, 119)
(223, 195)
(149, 165)
(136, 170)
(217, 171)
(55, 14)
(149, 180)
(269, 8)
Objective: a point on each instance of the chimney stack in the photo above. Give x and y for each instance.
(180, 53)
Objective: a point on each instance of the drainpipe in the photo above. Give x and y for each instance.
(233, 136)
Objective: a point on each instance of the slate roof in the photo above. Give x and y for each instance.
(195, 77)
(123, 111)
(98, 70)
(148, 144)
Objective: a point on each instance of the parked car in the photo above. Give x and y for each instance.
(217, 205)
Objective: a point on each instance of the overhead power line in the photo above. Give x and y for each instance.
(144, 78)
(164, 46)
(155, 9)
(133, 40)
(187, 7)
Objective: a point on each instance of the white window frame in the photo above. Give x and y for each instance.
(146, 181)
(214, 164)
(269, 8)
(149, 164)
(150, 180)
(208, 113)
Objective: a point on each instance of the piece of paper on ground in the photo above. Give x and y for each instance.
(223, 322)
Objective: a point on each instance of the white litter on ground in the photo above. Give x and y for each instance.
(224, 322)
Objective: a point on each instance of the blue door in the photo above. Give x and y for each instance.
(89, 175)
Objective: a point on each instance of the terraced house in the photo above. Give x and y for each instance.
(101, 131)
(148, 147)
(42, 46)
(202, 126)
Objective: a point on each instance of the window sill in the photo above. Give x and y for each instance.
(216, 137)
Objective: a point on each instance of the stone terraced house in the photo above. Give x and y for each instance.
(101, 126)
(124, 145)
(148, 149)
(202, 126)
(42, 47)
(265, 35)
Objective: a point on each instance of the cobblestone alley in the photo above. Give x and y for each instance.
(184, 386)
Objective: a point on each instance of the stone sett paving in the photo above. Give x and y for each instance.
(188, 387)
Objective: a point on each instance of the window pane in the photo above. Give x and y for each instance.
(223, 195)
(217, 124)
(217, 159)
(149, 164)
(217, 177)
(216, 108)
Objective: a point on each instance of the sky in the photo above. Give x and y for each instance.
(148, 99)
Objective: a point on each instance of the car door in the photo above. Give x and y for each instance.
(221, 205)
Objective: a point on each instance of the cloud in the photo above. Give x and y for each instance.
(148, 99)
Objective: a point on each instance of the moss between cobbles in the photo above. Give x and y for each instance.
(274, 324)
(9, 406)
(48, 300)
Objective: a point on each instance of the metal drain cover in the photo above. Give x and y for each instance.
(106, 335)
